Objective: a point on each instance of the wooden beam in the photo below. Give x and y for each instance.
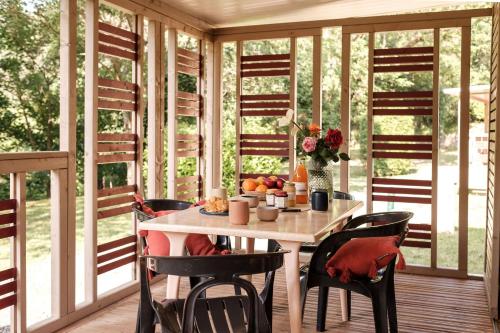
(345, 109)
(90, 163)
(435, 148)
(237, 121)
(317, 77)
(293, 104)
(283, 27)
(33, 164)
(201, 121)
(156, 108)
(268, 35)
(172, 107)
(463, 188)
(369, 126)
(407, 25)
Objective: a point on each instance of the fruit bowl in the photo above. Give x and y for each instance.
(261, 195)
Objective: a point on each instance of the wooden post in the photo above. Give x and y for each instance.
(156, 108)
(293, 104)
(463, 192)
(369, 126)
(59, 242)
(137, 123)
(435, 148)
(317, 76)
(172, 109)
(237, 119)
(67, 133)
(345, 109)
(18, 192)
(90, 164)
(201, 120)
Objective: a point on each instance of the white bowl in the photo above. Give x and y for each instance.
(269, 214)
(253, 200)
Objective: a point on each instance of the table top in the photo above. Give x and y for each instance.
(304, 226)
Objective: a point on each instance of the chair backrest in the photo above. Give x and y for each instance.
(342, 195)
(158, 205)
(396, 225)
(220, 270)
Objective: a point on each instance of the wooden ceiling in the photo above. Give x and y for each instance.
(224, 13)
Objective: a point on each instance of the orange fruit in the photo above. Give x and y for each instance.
(261, 188)
(260, 180)
(273, 178)
(249, 184)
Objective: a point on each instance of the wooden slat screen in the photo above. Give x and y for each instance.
(116, 253)
(411, 59)
(8, 285)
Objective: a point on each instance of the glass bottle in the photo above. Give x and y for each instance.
(300, 180)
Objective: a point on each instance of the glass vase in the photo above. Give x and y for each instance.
(320, 177)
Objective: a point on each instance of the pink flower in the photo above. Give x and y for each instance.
(309, 144)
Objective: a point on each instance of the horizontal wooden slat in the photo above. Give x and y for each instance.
(115, 105)
(402, 182)
(265, 152)
(265, 105)
(188, 62)
(414, 243)
(187, 179)
(419, 235)
(115, 264)
(402, 94)
(117, 52)
(116, 243)
(188, 137)
(188, 187)
(189, 153)
(189, 196)
(402, 112)
(188, 145)
(277, 72)
(114, 147)
(420, 226)
(417, 156)
(116, 94)
(281, 137)
(103, 214)
(187, 103)
(403, 138)
(7, 274)
(116, 254)
(265, 65)
(387, 198)
(122, 85)
(115, 158)
(402, 102)
(7, 232)
(106, 192)
(188, 70)
(405, 50)
(401, 60)
(8, 204)
(8, 287)
(7, 218)
(8, 301)
(188, 95)
(264, 144)
(265, 57)
(401, 190)
(264, 113)
(265, 97)
(185, 112)
(403, 146)
(402, 68)
(188, 54)
(117, 31)
(109, 39)
(103, 203)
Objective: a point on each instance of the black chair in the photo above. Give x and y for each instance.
(380, 290)
(311, 247)
(194, 314)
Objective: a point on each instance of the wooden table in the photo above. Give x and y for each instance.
(290, 230)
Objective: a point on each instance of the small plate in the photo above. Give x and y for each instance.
(204, 212)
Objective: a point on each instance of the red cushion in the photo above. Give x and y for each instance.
(364, 257)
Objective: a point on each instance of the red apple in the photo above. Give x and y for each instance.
(269, 183)
(280, 183)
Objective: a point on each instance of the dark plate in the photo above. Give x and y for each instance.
(204, 212)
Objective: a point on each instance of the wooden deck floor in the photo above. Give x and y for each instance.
(425, 304)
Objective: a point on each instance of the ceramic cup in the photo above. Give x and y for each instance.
(265, 213)
(239, 212)
(319, 200)
(253, 200)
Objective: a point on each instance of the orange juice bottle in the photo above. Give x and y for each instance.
(300, 180)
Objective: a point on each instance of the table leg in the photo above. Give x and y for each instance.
(250, 250)
(343, 304)
(177, 245)
(293, 284)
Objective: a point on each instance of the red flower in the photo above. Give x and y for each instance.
(334, 138)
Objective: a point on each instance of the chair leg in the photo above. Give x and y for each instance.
(322, 307)
(391, 308)
(303, 292)
(193, 281)
(145, 318)
(379, 304)
(349, 300)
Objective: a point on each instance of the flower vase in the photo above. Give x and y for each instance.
(320, 177)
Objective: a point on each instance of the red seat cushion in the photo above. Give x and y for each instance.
(364, 257)
(159, 244)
